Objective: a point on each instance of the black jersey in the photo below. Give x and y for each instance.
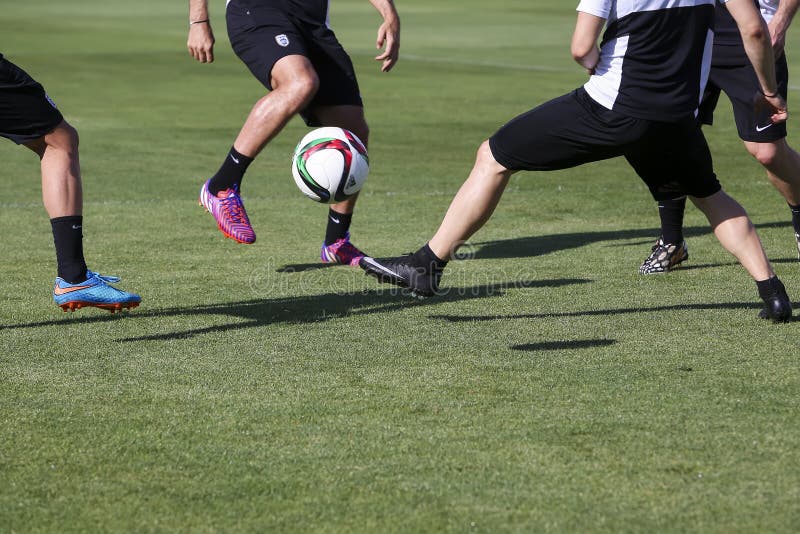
(313, 11)
(654, 56)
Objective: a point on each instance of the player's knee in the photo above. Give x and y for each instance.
(64, 137)
(486, 158)
(765, 153)
(304, 88)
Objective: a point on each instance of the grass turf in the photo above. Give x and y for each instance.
(552, 388)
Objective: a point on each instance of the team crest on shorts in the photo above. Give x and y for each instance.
(282, 40)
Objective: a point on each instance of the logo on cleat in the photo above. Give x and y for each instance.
(58, 290)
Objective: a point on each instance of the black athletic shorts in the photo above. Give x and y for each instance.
(672, 158)
(26, 112)
(740, 83)
(261, 36)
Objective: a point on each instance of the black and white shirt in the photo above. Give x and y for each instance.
(655, 56)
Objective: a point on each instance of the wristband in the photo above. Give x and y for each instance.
(198, 21)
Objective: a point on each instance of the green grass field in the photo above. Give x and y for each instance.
(552, 388)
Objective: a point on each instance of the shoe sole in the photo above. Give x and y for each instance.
(221, 229)
(112, 307)
(764, 314)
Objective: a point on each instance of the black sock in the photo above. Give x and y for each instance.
(230, 173)
(426, 259)
(795, 218)
(68, 238)
(770, 287)
(671, 213)
(338, 225)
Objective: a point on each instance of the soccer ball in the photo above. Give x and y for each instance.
(330, 164)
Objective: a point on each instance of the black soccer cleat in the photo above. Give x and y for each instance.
(402, 272)
(664, 257)
(778, 307)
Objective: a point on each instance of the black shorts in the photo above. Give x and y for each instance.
(261, 36)
(740, 83)
(26, 112)
(672, 158)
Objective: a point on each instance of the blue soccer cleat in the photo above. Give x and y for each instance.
(94, 291)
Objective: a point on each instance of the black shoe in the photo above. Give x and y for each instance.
(778, 307)
(402, 272)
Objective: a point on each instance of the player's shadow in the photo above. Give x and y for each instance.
(526, 247)
(608, 312)
(564, 345)
(301, 267)
(300, 310)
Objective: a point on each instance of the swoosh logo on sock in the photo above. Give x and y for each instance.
(335, 220)
(58, 290)
(234, 159)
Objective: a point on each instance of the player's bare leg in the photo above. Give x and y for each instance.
(472, 206)
(336, 248)
(782, 164)
(76, 286)
(294, 83)
(61, 171)
(736, 233)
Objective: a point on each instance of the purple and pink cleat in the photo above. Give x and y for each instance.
(228, 210)
(341, 251)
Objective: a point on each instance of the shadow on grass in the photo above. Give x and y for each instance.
(302, 267)
(606, 312)
(526, 247)
(563, 345)
(300, 310)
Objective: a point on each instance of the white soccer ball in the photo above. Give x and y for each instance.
(330, 164)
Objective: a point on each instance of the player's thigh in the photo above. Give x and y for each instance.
(295, 72)
(564, 132)
(674, 160)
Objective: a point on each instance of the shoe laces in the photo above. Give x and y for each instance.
(660, 244)
(234, 209)
(105, 278)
